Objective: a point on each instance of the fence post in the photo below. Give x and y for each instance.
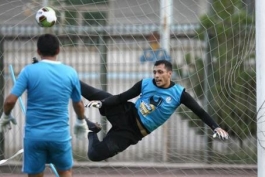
(103, 73)
(208, 83)
(2, 88)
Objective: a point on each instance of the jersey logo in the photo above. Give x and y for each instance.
(146, 107)
(168, 99)
(155, 103)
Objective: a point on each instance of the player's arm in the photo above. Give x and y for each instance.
(79, 109)
(80, 127)
(7, 118)
(77, 98)
(133, 92)
(9, 103)
(191, 103)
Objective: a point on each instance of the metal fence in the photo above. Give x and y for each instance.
(108, 58)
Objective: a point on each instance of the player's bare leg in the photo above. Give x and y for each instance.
(65, 173)
(36, 175)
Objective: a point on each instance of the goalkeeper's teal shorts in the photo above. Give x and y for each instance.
(38, 153)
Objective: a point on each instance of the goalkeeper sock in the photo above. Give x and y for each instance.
(94, 127)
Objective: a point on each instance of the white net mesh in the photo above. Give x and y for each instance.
(211, 44)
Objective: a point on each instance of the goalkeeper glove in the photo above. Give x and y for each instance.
(5, 122)
(220, 133)
(95, 104)
(80, 129)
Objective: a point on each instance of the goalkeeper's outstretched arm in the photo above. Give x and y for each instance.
(190, 102)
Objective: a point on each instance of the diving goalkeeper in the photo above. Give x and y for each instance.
(159, 98)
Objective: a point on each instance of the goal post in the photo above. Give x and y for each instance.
(260, 81)
(2, 83)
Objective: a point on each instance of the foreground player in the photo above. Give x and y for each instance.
(47, 136)
(159, 98)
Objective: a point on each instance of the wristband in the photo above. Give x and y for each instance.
(80, 121)
(6, 115)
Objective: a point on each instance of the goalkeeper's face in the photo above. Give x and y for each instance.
(162, 76)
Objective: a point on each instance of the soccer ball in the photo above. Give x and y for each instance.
(46, 17)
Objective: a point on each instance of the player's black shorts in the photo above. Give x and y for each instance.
(124, 131)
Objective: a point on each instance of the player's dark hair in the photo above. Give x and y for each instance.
(48, 45)
(167, 64)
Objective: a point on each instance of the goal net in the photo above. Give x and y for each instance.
(113, 43)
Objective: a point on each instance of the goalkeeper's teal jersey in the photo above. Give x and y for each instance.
(156, 105)
(50, 85)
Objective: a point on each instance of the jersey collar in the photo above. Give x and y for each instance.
(51, 61)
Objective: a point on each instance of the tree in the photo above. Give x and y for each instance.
(231, 37)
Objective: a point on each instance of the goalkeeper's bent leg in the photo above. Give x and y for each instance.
(91, 93)
(101, 150)
(94, 127)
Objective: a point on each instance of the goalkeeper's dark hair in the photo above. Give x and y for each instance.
(48, 45)
(167, 64)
